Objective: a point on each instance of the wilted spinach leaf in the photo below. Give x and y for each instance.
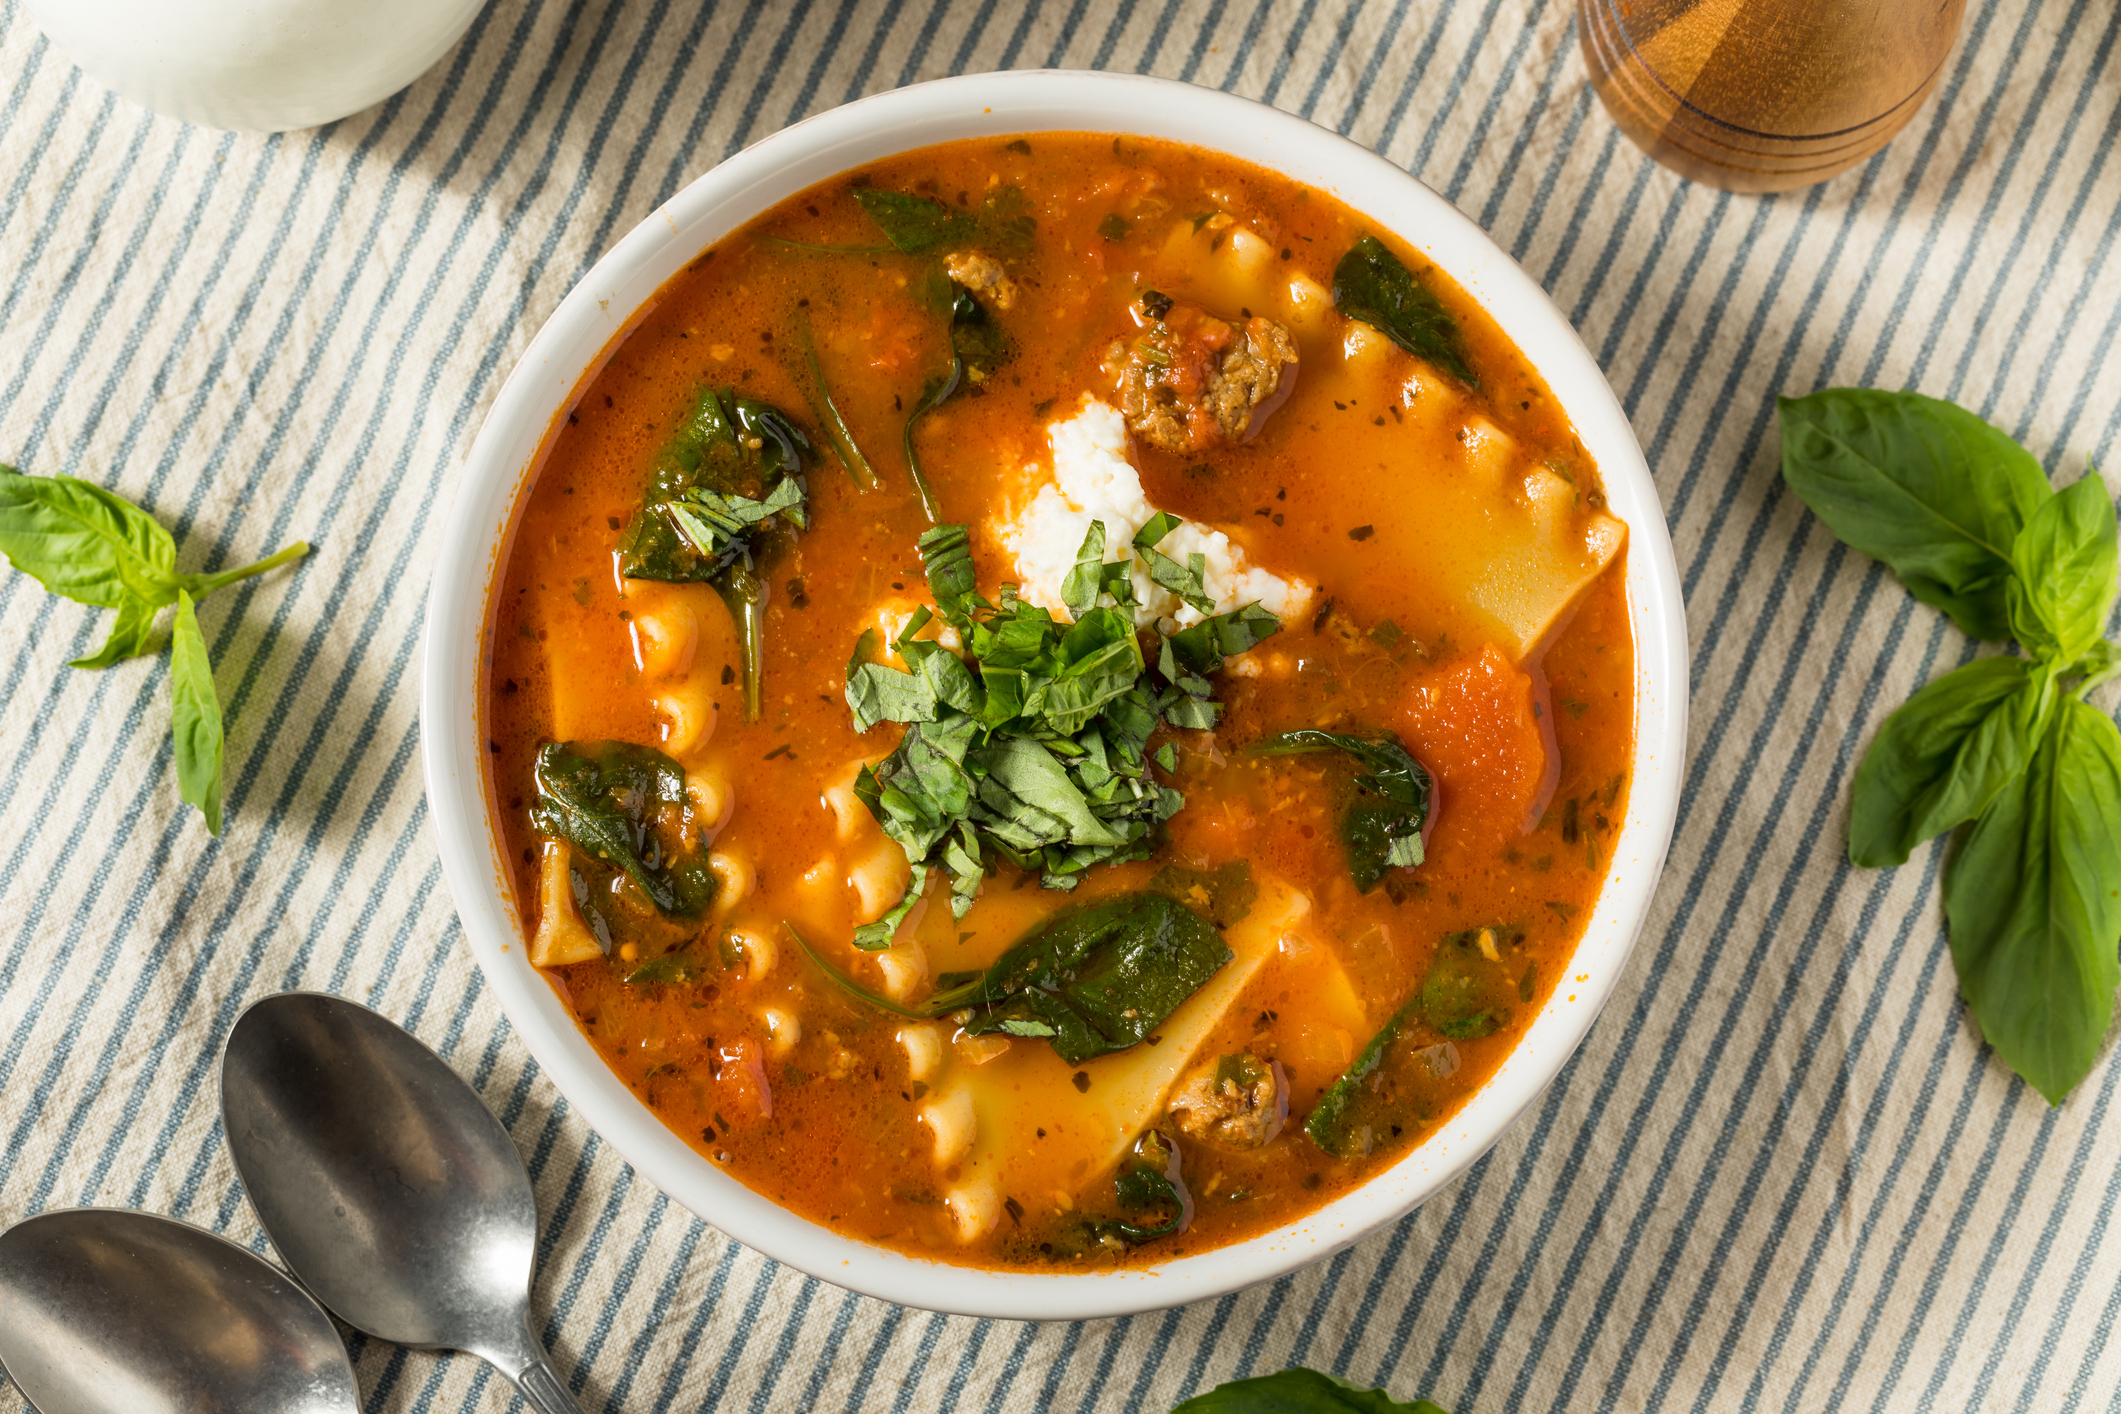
(1151, 1192)
(1468, 993)
(1299, 1391)
(1090, 981)
(921, 225)
(1335, 1125)
(1223, 895)
(1380, 828)
(625, 807)
(829, 416)
(977, 347)
(721, 484)
(1372, 285)
(1097, 979)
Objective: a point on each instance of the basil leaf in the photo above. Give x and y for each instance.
(132, 633)
(1186, 580)
(876, 936)
(1079, 591)
(1299, 1391)
(878, 692)
(1931, 490)
(1029, 772)
(195, 715)
(2033, 899)
(1204, 646)
(1370, 284)
(946, 555)
(1942, 756)
(2066, 572)
(1384, 830)
(1103, 978)
(85, 543)
(625, 806)
(1467, 994)
(1155, 529)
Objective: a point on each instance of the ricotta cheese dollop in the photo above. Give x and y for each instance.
(1093, 479)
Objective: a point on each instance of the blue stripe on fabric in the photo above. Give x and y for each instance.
(1246, 40)
(1122, 16)
(650, 1332)
(2012, 258)
(95, 319)
(1115, 1333)
(886, 25)
(1026, 13)
(931, 1331)
(682, 160)
(967, 1358)
(865, 1373)
(1367, 81)
(1199, 52)
(2094, 1130)
(842, 1322)
(1292, 39)
(1970, 155)
(1062, 41)
(805, 1292)
(1012, 1365)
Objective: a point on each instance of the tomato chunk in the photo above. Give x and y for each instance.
(1476, 725)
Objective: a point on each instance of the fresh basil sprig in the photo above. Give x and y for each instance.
(1034, 746)
(2006, 745)
(91, 546)
(1297, 1390)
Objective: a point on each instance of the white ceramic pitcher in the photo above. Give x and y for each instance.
(254, 65)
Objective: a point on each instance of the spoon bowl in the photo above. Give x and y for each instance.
(385, 1184)
(108, 1311)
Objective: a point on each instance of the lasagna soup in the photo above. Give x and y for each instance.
(1059, 702)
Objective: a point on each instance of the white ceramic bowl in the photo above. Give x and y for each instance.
(573, 343)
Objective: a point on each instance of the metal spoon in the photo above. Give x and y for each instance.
(105, 1311)
(385, 1184)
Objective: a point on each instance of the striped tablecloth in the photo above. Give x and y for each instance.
(1782, 1174)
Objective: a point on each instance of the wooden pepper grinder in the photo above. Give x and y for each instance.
(1765, 95)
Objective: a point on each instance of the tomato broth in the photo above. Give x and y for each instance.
(1300, 1006)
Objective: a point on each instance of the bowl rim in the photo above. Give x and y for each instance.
(619, 291)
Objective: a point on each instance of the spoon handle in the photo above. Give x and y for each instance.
(541, 1389)
(524, 1362)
